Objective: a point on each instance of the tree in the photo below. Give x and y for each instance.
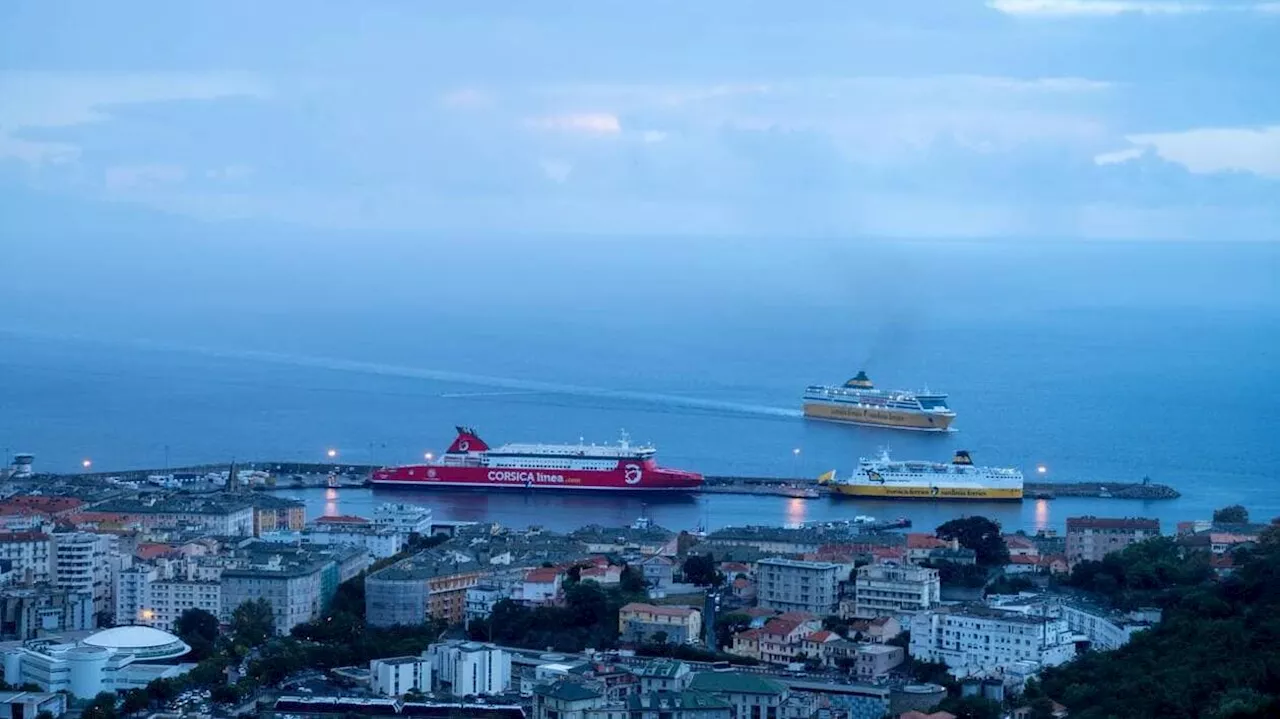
(727, 625)
(586, 600)
(632, 581)
(979, 534)
(659, 637)
(700, 569)
(1234, 514)
(136, 700)
(103, 706)
(45, 714)
(253, 623)
(199, 629)
(836, 624)
(1041, 708)
(970, 707)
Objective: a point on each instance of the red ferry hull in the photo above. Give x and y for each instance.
(631, 477)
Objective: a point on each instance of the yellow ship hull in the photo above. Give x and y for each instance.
(967, 493)
(878, 417)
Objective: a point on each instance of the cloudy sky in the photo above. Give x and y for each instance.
(917, 118)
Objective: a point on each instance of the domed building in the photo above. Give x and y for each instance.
(116, 659)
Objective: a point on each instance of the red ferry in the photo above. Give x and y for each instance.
(470, 462)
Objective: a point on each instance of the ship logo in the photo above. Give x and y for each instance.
(874, 476)
(431, 473)
(632, 474)
(464, 445)
(933, 491)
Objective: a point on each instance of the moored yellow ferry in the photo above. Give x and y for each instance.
(859, 402)
(960, 479)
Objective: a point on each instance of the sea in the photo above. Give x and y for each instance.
(1098, 361)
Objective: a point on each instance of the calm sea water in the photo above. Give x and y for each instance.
(1103, 362)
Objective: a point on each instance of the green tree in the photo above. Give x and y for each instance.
(103, 706)
(658, 637)
(162, 691)
(970, 707)
(837, 624)
(1234, 514)
(587, 602)
(727, 625)
(135, 701)
(199, 629)
(700, 570)
(45, 714)
(253, 623)
(632, 580)
(980, 534)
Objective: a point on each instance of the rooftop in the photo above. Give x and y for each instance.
(735, 683)
(659, 610)
(662, 668)
(568, 691)
(675, 700)
(797, 564)
(1125, 523)
(426, 565)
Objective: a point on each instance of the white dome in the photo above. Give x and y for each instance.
(144, 642)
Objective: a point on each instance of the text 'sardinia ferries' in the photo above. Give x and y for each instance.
(859, 402)
(579, 467)
(961, 479)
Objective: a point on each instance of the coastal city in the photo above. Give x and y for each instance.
(218, 597)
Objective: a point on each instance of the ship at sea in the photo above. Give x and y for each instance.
(883, 477)
(859, 402)
(470, 462)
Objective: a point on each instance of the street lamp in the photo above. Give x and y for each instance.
(86, 464)
(332, 453)
(1041, 469)
(795, 462)
(428, 456)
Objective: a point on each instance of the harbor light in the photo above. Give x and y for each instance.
(796, 451)
(332, 453)
(1040, 468)
(86, 464)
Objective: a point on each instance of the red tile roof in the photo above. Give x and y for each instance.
(153, 550)
(542, 575)
(919, 540)
(1023, 559)
(822, 636)
(780, 627)
(659, 610)
(46, 505)
(342, 519)
(8, 537)
(1017, 541)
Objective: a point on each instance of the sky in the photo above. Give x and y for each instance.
(1089, 119)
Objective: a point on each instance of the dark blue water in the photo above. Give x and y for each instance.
(1103, 362)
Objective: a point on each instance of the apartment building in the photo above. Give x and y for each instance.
(83, 563)
(427, 585)
(978, 639)
(640, 622)
(1092, 538)
(471, 668)
(395, 676)
(891, 589)
(30, 554)
(793, 585)
(156, 595)
(297, 582)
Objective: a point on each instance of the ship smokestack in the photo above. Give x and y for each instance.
(860, 381)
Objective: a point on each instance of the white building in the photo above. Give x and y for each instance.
(471, 668)
(480, 601)
(83, 563)
(1102, 628)
(891, 590)
(112, 660)
(395, 676)
(403, 518)
(791, 585)
(30, 554)
(156, 596)
(976, 640)
(380, 543)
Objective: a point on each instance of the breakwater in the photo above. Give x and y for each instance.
(317, 474)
